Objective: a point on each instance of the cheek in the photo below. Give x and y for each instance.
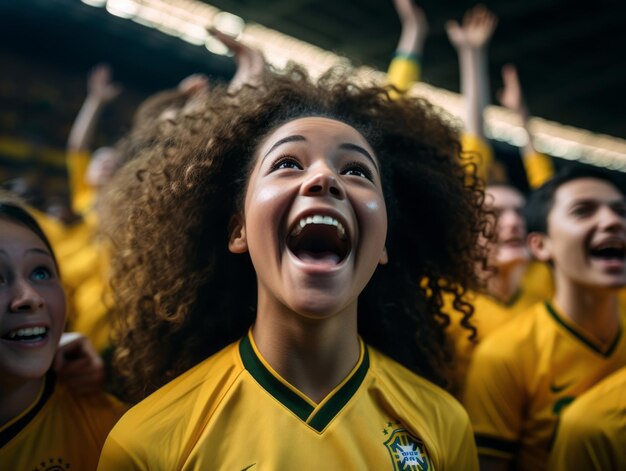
(373, 214)
(55, 298)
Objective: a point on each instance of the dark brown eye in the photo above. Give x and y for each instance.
(357, 169)
(286, 162)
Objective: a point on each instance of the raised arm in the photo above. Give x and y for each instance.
(470, 39)
(100, 91)
(405, 67)
(539, 167)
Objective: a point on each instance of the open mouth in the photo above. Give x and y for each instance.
(613, 250)
(319, 239)
(26, 334)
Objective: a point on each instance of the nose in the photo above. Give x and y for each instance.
(611, 220)
(323, 181)
(512, 220)
(25, 298)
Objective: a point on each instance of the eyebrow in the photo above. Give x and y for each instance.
(345, 146)
(38, 251)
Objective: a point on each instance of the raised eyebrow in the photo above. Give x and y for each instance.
(284, 140)
(40, 251)
(360, 150)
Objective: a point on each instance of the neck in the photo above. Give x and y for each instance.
(506, 282)
(594, 310)
(313, 355)
(16, 398)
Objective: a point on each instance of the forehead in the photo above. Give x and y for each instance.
(504, 197)
(586, 189)
(15, 236)
(312, 129)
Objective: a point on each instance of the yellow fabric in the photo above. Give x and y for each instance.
(82, 193)
(67, 433)
(539, 169)
(538, 281)
(522, 376)
(592, 431)
(477, 151)
(489, 315)
(403, 72)
(218, 416)
(88, 303)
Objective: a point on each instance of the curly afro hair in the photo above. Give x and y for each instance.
(182, 296)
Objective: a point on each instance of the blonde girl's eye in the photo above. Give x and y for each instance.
(286, 162)
(358, 169)
(41, 274)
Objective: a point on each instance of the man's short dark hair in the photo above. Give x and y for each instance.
(541, 200)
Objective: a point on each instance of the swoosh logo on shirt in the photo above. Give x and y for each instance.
(248, 467)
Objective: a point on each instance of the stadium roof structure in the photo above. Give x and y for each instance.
(569, 53)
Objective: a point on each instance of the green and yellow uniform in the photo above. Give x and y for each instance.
(59, 430)
(234, 412)
(592, 431)
(489, 315)
(523, 375)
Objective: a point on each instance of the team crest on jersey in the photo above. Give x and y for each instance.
(407, 452)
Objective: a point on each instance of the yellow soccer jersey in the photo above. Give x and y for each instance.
(59, 431)
(592, 431)
(489, 315)
(82, 193)
(538, 281)
(234, 412)
(523, 375)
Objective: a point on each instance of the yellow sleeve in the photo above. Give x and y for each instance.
(116, 457)
(591, 433)
(493, 398)
(404, 70)
(477, 151)
(81, 192)
(539, 169)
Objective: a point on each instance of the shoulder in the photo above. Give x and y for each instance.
(172, 405)
(415, 392)
(519, 332)
(593, 410)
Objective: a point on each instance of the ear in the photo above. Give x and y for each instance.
(384, 258)
(237, 242)
(539, 245)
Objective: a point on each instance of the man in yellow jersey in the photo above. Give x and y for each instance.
(592, 431)
(504, 296)
(522, 376)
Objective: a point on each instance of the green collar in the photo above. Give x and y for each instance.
(317, 417)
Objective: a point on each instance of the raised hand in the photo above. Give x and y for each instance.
(478, 26)
(511, 96)
(99, 84)
(250, 61)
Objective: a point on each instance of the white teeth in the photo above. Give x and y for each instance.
(319, 219)
(27, 332)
